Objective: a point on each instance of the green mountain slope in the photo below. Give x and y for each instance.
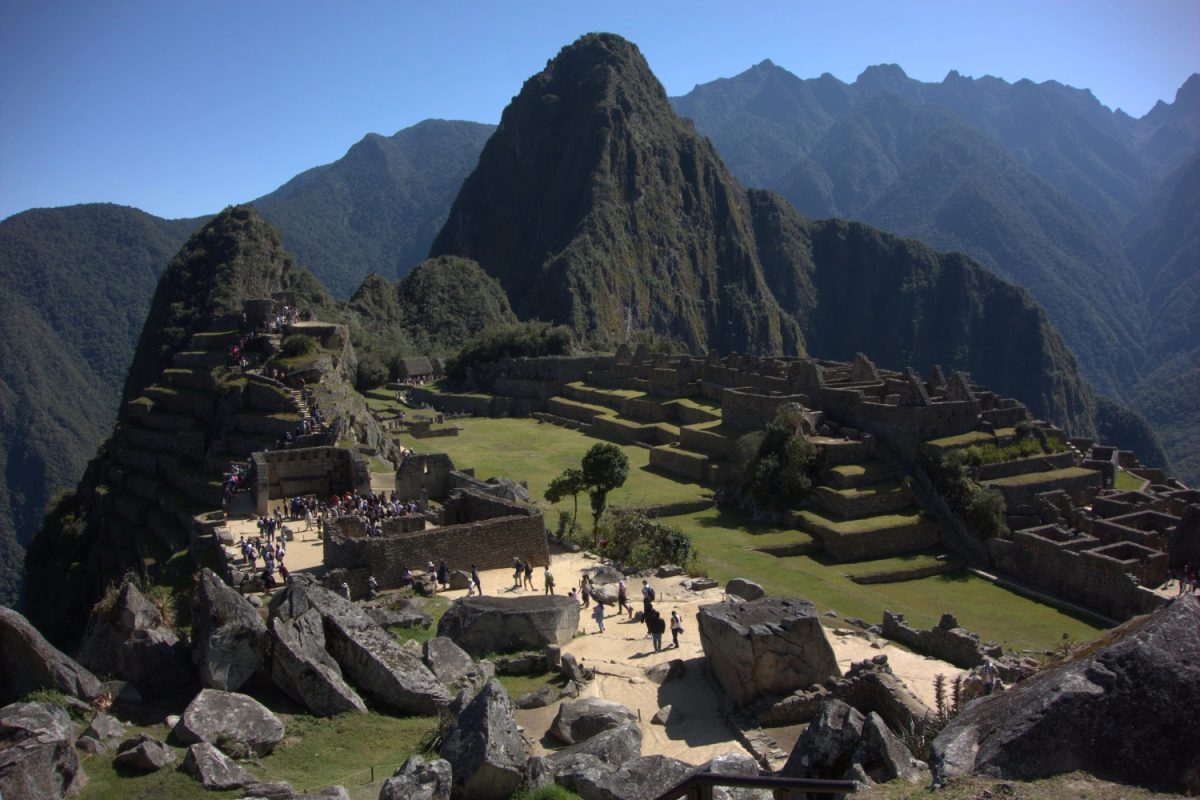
(76, 288)
(378, 207)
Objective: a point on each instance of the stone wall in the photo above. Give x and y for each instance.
(945, 641)
(751, 410)
(323, 471)
(1021, 466)
(424, 475)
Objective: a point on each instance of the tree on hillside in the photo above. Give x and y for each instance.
(570, 483)
(605, 468)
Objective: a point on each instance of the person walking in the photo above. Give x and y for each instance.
(529, 575)
(518, 571)
(598, 615)
(676, 627)
(647, 596)
(548, 579)
(658, 626)
(475, 577)
(346, 590)
(623, 599)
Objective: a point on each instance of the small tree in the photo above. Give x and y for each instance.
(571, 482)
(605, 468)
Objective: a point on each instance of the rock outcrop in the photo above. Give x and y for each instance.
(305, 672)
(129, 639)
(826, 748)
(229, 637)
(30, 663)
(239, 725)
(404, 614)
(213, 769)
(1095, 713)
(482, 625)
(37, 752)
(639, 779)
(418, 779)
(486, 752)
(746, 590)
(579, 720)
(143, 753)
(774, 645)
(368, 655)
(452, 666)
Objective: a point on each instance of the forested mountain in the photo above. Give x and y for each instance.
(1040, 182)
(595, 206)
(378, 207)
(76, 286)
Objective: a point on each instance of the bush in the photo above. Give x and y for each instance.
(781, 463)
(298, 345)
(372, 373)
(524, 339)
(634, 539)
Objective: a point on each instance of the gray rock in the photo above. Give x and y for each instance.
(131, 641)
(302, 669)
(276, 790)
(143, 753)
(572, 670)
(614, 746)
(606, 593)
(37, 751)
(639, 779)
(553, 655)
(661, 716)
(30, 663)
(735, 764)
(239, 725)
(604, 574)
(826, 748)
(859, 775)
(91, 745)
(459, 579)
(582, 719)
(213, 769)
(328, 793)
(1094, 713)
(537, 774)
(418, 779)
(229, 637)
(105, 726)
(368, 655)
(539, 698)
(402, 614)
(123, 693)
(452, 666)
(667, 671)
(883, 756)
(486, 751)
(774, 645)
(482, 625)
(668, 571)
(699, 584)
(747, 590)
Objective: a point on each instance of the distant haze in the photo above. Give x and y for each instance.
(181, 109)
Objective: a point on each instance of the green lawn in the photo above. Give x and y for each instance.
(527, 450)
(726, 545)
(1128, 482)
(1040, 477)
(862, 524)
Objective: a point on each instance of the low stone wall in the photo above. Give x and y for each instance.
(750, 410)
(945, 641)
(700, 440)
(862, 504)
(686, 464)
(876, 544)
(1081, 487)
(323, 471)
(1022, 466)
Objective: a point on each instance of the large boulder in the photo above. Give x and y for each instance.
(213, 769)
(883, 756)
(773, 645)
(746, 590)
(302, 669)
(582, 719)
(826, 748)
(452, 666)
(734, 763)
(37, 752)
(230, 638)
(128, 638)
(639, 779)
(239, 725)
(482, 625)
(403, 613)
(143, 753)
(604, 574)
(486, 751)
(1098, 713)
(418, 779)
(368, 655)
(30, 662)
(614, 746)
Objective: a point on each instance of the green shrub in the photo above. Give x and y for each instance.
(780, 463)
(633, 538)
(298, 345)
(372, 373)
(985, 510)
(524, 339)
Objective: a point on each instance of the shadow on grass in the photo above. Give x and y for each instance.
(737, 521)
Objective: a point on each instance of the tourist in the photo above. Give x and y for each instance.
(518, 571)
(346, 590)
(572, 594)
(268, 579)
(676, 627)
(529, 575)
(598, 615)
(283, 573)
(470, 587)
(988, 673)
(647, 596)
(475, 578)
(443, 575)
(372, 587)
(623, 599)
(548, 580)
(406, 576)
(585, 589)
(657, 626)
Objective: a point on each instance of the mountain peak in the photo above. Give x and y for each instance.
(882, 74)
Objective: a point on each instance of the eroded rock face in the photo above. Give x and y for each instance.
(239, 725)
(213, 769)
(486, 752)
(826, 748)
(773, 645)
(883, 757)
(37, 752)
(229, 637)
(418, 779)
(302, 669)
(368, 655)
(132, 642)
(578, 720)
(640, 779)
(30, 662)
(1094, 713)
(482, 625)
(614, 746)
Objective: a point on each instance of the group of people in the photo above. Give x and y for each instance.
(656, 624)
(1189, 578)
(272, 554)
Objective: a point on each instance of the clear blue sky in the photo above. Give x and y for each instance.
(181, 107)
